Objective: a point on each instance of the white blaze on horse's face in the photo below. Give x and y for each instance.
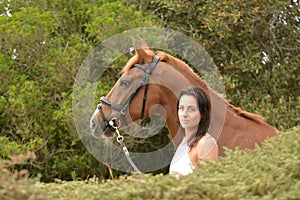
(94, 125)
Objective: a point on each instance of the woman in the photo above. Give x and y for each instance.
(197, 145)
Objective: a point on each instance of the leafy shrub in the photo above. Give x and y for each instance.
(268, 172)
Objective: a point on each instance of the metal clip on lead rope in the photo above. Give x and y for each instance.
(120, 140)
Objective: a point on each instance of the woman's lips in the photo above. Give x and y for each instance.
(185, 121)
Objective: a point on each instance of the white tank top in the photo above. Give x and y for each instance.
(181, 162)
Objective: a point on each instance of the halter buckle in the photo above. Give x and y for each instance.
(115, 123)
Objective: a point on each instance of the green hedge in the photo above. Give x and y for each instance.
(268, 172)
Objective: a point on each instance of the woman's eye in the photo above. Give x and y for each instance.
(125, 83)
(192, 109)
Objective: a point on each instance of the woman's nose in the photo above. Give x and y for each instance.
(185, 113)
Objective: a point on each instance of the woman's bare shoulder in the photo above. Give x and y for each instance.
(208, 147)
(209, 139)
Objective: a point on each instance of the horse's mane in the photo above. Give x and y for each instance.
(184, 68)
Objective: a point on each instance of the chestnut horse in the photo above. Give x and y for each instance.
(151, 82)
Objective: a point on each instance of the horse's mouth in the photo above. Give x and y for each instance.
(100, 133)
(109, 131)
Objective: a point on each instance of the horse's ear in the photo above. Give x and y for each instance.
(163, 56)
(141, 51)
(144, 45)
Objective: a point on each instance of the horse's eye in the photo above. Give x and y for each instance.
(125, 83)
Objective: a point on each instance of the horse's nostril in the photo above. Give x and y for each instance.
(93, 124)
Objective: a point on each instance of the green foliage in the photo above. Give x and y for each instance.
(268, 172)
(116, 18)
(255, 44)
(14, 188)
(8, 148)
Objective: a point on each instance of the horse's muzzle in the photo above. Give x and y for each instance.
(100, 130)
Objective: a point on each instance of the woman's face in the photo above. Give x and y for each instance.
(188, 113)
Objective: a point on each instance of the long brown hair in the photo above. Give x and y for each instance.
(204, 107)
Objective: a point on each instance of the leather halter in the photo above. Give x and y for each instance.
(122, 108)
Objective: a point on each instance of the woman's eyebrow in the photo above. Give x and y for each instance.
(180, 105)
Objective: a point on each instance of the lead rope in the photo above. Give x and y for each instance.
(120, 140)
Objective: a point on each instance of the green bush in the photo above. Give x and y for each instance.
(268, 172)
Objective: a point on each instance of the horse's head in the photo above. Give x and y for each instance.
(132, 95)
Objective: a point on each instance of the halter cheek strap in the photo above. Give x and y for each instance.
(148, 71)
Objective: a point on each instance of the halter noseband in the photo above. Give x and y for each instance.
(122, 108)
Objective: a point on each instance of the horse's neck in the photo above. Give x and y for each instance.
(169, 101)
(230, 127)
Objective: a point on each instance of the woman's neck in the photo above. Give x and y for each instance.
(189, 134)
